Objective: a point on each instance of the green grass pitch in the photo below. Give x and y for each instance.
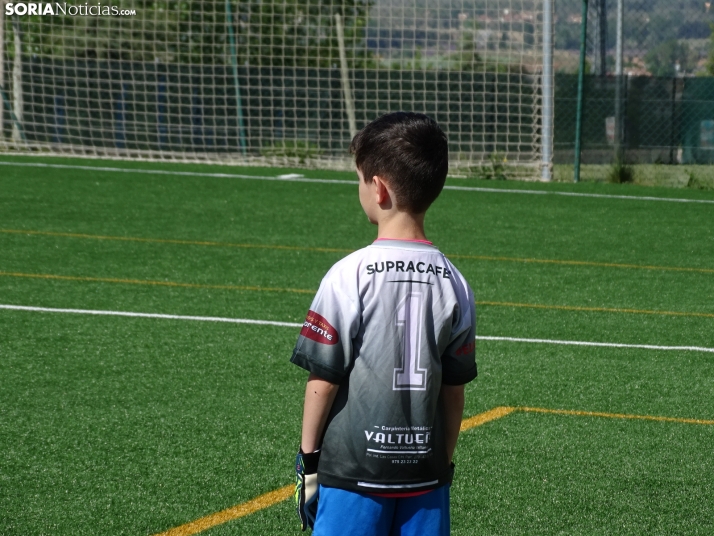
(132, 426)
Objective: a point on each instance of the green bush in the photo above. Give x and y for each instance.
(300, 149)
(621, 173)
(494, 170)
(696, 183)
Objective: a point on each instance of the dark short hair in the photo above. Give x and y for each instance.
(410, 152)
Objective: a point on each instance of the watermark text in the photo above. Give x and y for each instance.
(54, 9)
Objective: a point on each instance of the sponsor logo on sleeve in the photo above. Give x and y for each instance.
(467, 349)
(318, 329)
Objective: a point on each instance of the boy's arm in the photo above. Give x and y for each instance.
(453, 398)
(319, 396)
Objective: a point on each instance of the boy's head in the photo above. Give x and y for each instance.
(409, 152)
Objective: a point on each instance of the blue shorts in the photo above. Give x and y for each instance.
(349, 513)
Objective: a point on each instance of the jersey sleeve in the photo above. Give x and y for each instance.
(324, 346)
(459, 358)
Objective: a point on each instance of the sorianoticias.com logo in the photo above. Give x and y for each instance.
(63, 8)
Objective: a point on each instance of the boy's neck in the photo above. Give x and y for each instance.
(401, 226)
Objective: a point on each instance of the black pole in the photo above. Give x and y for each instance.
(602, 36)
(619, 79)
(671, 134)
(581, 75)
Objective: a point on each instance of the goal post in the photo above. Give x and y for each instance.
(281, 83)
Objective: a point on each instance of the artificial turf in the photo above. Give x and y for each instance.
(132, 426)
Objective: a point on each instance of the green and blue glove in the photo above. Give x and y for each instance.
(306, 494)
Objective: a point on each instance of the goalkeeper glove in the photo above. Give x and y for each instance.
(306, 487)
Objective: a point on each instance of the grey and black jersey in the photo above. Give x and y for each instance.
(391, 323)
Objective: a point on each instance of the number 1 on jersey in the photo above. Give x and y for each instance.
(408, 375)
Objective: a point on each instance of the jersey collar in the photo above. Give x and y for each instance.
(424, 245)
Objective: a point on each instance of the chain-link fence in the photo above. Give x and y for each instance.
(284, 83)
(664, 120)
(663, 110)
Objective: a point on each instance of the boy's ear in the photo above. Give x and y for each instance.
(381, 190)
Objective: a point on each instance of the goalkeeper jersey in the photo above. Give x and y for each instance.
(390, 324)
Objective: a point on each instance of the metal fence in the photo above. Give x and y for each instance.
(664, 120)
(165, 84)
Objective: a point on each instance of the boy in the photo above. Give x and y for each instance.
(389, 342)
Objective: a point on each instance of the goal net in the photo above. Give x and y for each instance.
(276, 82)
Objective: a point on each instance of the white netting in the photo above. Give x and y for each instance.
(270, 81)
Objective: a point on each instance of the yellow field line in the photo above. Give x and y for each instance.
(234, 512)
(486, 416)
(594, 309)
(156, 283)
(279, 495)
(282, 494)
(172, 241)
(584, 263)
(343, 250)
(613, 415)
(312, 291)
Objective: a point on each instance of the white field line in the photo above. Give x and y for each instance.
(297, 325)
(578, 194)
(292, 178)
(603, 344)
(284, 178)
(151, 315)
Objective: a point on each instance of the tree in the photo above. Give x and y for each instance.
(710, 60)
(669, 59)
(285, 33)
(467, 58)
(298, 33)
